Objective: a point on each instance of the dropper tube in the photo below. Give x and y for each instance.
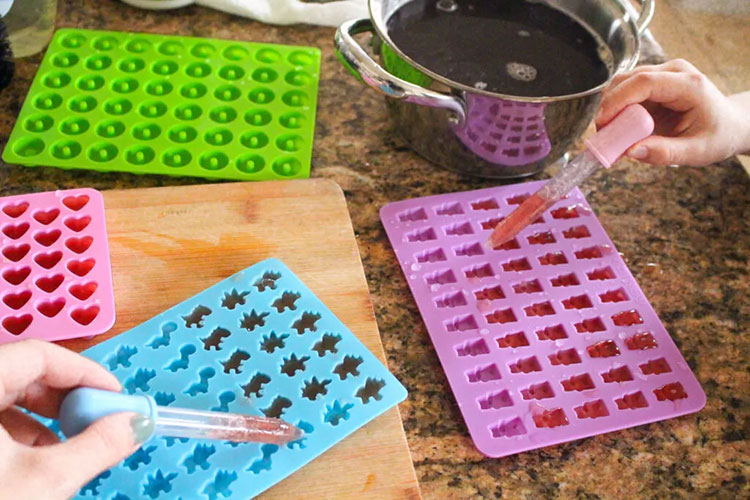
(631, 125)
(82, 406)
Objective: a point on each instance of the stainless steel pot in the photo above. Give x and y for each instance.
(478, 132)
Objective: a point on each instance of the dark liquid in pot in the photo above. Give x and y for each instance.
(512, 47)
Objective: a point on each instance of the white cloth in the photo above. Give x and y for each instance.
(274, 11)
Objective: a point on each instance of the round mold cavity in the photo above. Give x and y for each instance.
(138, 45)
(118, 107)
(264, 75)
(124, 85)
(235, 53)
(198, 70)
(227, 93)
(187, 112)
(170, 48)
(176, 157)
(110, 129)
(159, 88)
(73, 41)
(164, 68)
(98, 62)
(268, 56)
(301, 58)
(223, 114)
(193, 90)
(290, 143)
(89, 83)
(74, 125)
(139, 155)
(213, 160)
(28, 147)
(65, 149)
(218, 136)
(231, 72)
(298, 78)
(131, 65)
(286, 166)
(182, 134)
(56, 80)
(254, 140)
(292, 120)
(295, 98)
(38, 123)
(82, 103)
(250, 163)
(64, 59)
(102, 152)
(105, 43)
(146, 131)
(258, 117)
(261, 95)
(202, 50)
(47, 101)
(152, 109)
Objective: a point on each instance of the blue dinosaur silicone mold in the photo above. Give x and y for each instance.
(258, 342)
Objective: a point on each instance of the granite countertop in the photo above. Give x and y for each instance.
(684, 232)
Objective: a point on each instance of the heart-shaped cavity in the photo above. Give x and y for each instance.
(17, 324)
(15, 210)
(50, 283)
(79, 245)
(46, 216)
(81, 267)
(50, 308)
(47, 238)
(15, 231)
(83, 291)
(85, 315)
(48, 260)
(16, 252)
(17, 300)
(76, 203)
(16, 276)
(77, 224)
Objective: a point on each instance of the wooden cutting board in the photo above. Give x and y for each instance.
(170, 243)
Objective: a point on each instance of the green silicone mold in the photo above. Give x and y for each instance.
(155, 104)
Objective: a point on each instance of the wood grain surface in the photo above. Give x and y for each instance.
(170, 243)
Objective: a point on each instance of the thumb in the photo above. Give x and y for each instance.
(103, 444)
(659, 150)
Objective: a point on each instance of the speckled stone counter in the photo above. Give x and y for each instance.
(685, 233)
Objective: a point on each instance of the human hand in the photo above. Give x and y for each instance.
(695, 124)
(37, 375)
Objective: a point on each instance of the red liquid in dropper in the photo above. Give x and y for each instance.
(521, 217)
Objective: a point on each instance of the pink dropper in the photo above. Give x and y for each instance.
(631, 125)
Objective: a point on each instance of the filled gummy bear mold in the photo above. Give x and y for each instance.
(297, 362)
(55, 281)
(143, 103)
(546, 339)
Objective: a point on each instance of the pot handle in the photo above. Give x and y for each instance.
(359, 63)
(647, 13)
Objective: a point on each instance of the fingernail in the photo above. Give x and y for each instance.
(639, 152)
(143, 428)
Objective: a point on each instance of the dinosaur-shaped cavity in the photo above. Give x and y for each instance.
(268, 280)
(162, 340)
(214, 340)
(158, 483)
(286, 301)
(182, 363)
(121, 357)
(272, 342)
(201, 387)
(371, 389)
(350, 366)
(233, 299)
(225, 398)
(235, 361)
(276, 410)
(198, 459)
(219, 487)
(327, 344)
(314, 388)
(250, 321)
(195, 318)
(293, 364)
(337, 412)
(255, 385)
(142, 456)
(306, 322)
(139, 381)
(264, 463)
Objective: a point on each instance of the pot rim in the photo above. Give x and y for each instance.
(374, 6)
